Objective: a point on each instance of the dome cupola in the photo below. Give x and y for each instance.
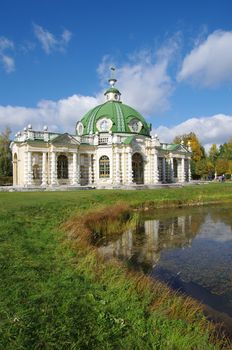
(112, 94)
(113, 116)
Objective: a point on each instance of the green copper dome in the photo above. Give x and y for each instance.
(120, 118)
(113, 116)
(114, 90)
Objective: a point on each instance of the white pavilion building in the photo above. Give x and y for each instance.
(111, 148)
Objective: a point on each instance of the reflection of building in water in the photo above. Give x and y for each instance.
(146, 244)
(123, 247)
(150, 251)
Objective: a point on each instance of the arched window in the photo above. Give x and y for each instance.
(104, 167)
(62, 167)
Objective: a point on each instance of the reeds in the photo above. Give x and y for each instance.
(160, 301)
(57, 291)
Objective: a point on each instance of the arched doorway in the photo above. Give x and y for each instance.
(15, 170)
(138, 168)
(62, 167)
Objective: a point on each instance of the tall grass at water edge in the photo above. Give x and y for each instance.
(58, 293)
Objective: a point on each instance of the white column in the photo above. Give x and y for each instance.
(117, 167)
(90, 169)
(156, 231)
(53, 169)
(189, 170)
(44, 169)
(94, 167)
(146, 169)
(78, 168)
(129, 168)
(110, 139)
(181, 223)
(29, 168)
(155, 169)
(182, 170)
(164, 169)
(124, 179)
(74, 177)
(25, 168)
(179, 170)
(171, 170)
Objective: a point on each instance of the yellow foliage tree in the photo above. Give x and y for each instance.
(229, 169)
(198, 151)
(222, 166)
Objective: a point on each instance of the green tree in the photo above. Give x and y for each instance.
(213, 156)
(203, 168)
(5, 153)
(213, 153)
(225, 150)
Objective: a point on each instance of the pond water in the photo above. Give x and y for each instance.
(189, 249)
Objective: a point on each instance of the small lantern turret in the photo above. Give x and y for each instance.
(112, 94)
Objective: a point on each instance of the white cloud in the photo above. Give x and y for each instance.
(144, 81)
(66, 36)
(6, 60)
(210, 62)
(145, 86)
(59, 115)
(8, 63)
(48, 40)
(213, 129)
(5, 44)
(63, 114)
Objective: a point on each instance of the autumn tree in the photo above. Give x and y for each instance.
(229, 170)
(5, 153)
(222, 166)
(198, 152)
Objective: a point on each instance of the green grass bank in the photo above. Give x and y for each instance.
(56, 292)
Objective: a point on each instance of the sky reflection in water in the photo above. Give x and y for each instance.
(190, 249)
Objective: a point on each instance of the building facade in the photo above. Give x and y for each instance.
(112, 147)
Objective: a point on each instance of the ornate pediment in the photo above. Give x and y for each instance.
(176, 148)
(65, 140)
(181, 148)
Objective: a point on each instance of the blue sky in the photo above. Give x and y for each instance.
(173, 60)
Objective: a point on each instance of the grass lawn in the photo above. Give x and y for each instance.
(57, 293)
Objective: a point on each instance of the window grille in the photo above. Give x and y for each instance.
(104, 167)
(62, 167)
